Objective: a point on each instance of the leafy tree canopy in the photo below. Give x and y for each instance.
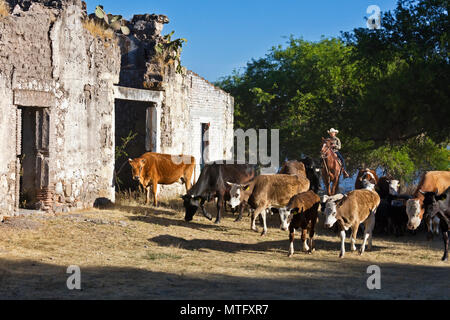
(387, 91)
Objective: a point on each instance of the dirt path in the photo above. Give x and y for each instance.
(135, 252)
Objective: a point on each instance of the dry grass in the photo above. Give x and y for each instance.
(136, 251)
(98, 30)
(4, 9)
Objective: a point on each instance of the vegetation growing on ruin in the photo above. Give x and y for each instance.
(4, 8)
(113, 22)
(98, 30)
(169, 51)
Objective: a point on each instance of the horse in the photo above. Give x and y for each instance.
(332, 168)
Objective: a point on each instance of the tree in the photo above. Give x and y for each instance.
(387, 90)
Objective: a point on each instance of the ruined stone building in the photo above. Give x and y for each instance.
(68, 97)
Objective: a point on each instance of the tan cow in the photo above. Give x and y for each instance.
(432, 181)
(152, 169)
(358, 206)
(268, 191)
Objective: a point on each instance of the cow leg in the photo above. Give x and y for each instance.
(306, 248)
(291, 241)
(368, 226)
(202, 207)
(241, 211)
(263, 216)
(147, 201)
(354, 237)
(255, 215)
(220, 205)
(155, 191)
(342, 244)
(429, 228)
(444, 230)
(445, 237)
(311, 236)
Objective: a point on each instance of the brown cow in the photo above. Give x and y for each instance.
(267, 191)
(358, 206)
(303, 209)
(432, 181)
(152, 169)
(365, 174)
(293, 167)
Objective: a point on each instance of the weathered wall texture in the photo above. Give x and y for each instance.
(190, 101)
(58, 88)
(48, 59)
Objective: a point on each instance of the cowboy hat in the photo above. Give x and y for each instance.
(333, 130)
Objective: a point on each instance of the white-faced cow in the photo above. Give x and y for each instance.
(358, 206)
(301, 213)
(438, 205)
(368, 175)
(432, 181)
(387, 187)
(266, 192)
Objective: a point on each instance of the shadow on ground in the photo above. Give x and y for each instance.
(29, 279)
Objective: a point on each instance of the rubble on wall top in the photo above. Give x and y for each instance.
(54, 4)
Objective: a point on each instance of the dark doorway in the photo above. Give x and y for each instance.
(204, 144)
(133, 138)
(34, 171)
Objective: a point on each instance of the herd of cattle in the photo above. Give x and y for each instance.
(293, 194)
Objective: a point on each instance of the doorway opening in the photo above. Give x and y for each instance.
(134, 137)
(34, 158)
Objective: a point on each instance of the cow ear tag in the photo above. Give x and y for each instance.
(246, 188)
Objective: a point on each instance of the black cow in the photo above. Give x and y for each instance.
(391, 216)
(439, 205)
(212, 183)
(312, 173)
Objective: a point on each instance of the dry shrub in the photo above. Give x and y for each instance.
(98, 30)
(4, 9)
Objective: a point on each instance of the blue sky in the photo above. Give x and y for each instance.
(225, 35)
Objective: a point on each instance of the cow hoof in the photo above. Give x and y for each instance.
(361, 252)
(290, 255)
(238, 219)
(263, 233)
(445, 259)
(216, 222)
(209, 218)
(309, 252)
(256, 230)
(341, 256)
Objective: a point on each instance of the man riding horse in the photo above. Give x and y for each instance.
(336, 146)
(332, 167)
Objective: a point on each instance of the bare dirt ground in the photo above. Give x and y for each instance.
(135, 252)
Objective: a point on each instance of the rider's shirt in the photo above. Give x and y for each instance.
(336, 143)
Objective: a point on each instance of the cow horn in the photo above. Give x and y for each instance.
(422, 192)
